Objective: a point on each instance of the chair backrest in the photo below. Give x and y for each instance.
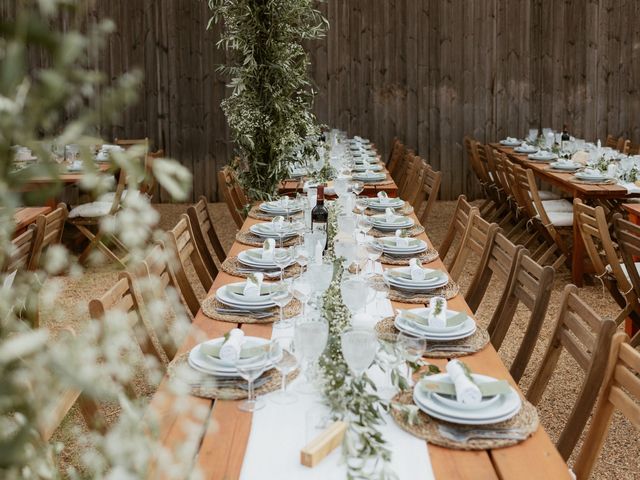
(23, 250)
(205, 233)
(476, 239)
(458, 226)
(530, 285)
(49, 231)
(502, 172)
(413, 182)
(631, 148)
(478, 168)
(430, 187)
(121, 297)
(226, 182)
(395, 157)
(587, 338)
(181, 241)
(485, 155)
(410, 164)
(620, 391)
(594, 230)
(627, 235)
(499, 259)
(614, 142)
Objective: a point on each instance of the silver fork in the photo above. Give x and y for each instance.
(270, 274)
(464, 435)
(449, 348)
(248, 313)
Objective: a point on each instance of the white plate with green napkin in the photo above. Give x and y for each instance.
(420, 318)
(507, 405)
(408, 326)
(542, 156)
(390, 245)
(364, 168)
(370, 176)
(397, 221)
(231, 295)
(384, 203)
(253, 258)
(267, 230)
(211, 364)
(401, 277)
(277, 207)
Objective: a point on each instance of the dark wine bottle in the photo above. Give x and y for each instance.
(565, 137)
(319, 214)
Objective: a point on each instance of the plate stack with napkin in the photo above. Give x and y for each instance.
(415, 278)
(369, 176)
(383, 201)
(566, 165)
(526, 148)
(219, 357)
(283, 206)
(591, 175)
(510, 142)
(542, 156)
(400, 246)
(435, 322)
(251, 295)
(277, 228)
(459, 396)
(261, 258)
(390, 221)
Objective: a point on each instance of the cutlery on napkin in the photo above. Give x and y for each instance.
(265, 289)
(427, 275)
(488, 389)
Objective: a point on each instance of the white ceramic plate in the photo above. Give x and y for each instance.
(468, 328)
(428, 283)
(542, 156)
(590, 177)
(508, 143)
(226, 298)
(569, 167)
(265, 230)
(527, 149)
(424, 312)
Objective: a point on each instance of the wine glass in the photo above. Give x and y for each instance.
(365, 224)
(359, 347)
(311, 333)
(374, 252)
(301, 289)
(250, 369)
(389, 357)
(361, 204)
(322, 274)
(354, 293)
(357, 187)
(411, 348)
(301, 257)
(286, 363)
(282, 258)
(281, 296)
(362, 257)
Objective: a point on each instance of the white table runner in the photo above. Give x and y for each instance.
(278, 433)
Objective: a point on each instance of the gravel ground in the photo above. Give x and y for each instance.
(619, 459)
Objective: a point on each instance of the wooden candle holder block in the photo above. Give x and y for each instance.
(323, 444)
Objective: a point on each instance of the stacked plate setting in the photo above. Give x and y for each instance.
(253, 258)
(399, 221)
(410, 285)
(566, 165)
(492, 409)
(444, 334)
(543, 156)
(526, 148)
(383, 203)
(268, 230)
(219, 368)
(277, 207)
(510, 142)
(229, 295)
(370, 176)
(390, 246)
(591, 176)
(360, 167)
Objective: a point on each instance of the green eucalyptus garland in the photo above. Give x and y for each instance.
(269, 110)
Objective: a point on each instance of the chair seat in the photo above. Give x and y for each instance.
(548, 195)
(110, 196)
(91, 210)
(557, 205)
(560, 219)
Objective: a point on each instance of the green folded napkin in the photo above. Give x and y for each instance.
(239, 289)
(488, 389)
(458, 319)
(427, 276)
(253, 254)
(245, 351)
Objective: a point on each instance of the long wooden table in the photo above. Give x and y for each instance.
(25, 216)
(584, 191)
(370, 190)
(223, 430)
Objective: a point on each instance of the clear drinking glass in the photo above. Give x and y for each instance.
(354, 293)
(301, 257)
(374, 252)
(282, 258)
(411, 348)
(365, 224)
(287, 362)
(359, 347)
(301, 289)
(321, 275)
(281, 296)
(357, 187)
(389, 357)
(250, 369)
(310, 339)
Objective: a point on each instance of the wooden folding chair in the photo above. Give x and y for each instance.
(181, 241)
(395, 157)
(587, 338)
(620, 391)
(428, 194)
(500, 259)
(23, 251)
(631, 148)
(50, 228)
(627, 235)
(205, 234)
(614, 142)
(413, 186)
(530, 285)
(457, 227)
(476, 239)
(226, 182)
(89, 216)
(604, 257)
(410, 165)
(488, 206)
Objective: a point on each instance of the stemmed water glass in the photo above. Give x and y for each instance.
(362, 203)
(359, 347)
(365, 224)
(374, 252)
(411, 348)
(310, 339)
(354, 292)
(281, 296)
(282, 258)
(285, 364)
(357, 187)
(301, 257)
(389, 357)
(301, 289)
(250, 369)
